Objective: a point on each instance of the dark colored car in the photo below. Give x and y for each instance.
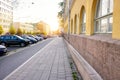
(34, 37)
(13, 40)
(39, 38)
(3, 49)
(43, 36)
(32, 40)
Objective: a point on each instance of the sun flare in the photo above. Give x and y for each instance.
(54, 28)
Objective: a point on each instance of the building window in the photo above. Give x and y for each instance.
(104, 19)
(75, 25)
(71, 26)
(83, 25)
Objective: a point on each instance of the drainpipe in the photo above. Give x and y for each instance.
(68, 19)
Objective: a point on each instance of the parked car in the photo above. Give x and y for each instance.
(32, 40)
(7, 40)
(3, 49)
(39, 37)
(43, 36)
(34, 37)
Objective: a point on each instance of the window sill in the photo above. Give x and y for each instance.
(105, 38)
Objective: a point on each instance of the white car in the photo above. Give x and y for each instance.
(3, 49)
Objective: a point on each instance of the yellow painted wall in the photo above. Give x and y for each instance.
(66, 26)
(90, 15)
(116, 20)
(90, 9)
(75, 10)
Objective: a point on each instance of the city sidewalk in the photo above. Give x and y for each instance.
(50, 63)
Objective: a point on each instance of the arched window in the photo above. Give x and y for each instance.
(104, 19)
(75, 24)
(83, 24)
(71, 26)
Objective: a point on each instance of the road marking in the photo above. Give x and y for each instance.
(27, 61)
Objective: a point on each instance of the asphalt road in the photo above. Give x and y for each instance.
(10, 62)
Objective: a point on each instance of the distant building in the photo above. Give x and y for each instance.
(43, 28)
(24, 27)
(6, 14)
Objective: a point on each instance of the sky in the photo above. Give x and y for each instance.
(37, 10)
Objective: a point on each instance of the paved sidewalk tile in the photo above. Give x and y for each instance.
(50, 63)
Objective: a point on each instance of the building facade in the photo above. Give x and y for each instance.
(43, 28)
(25, 27)
(6, 14)
(94, 31)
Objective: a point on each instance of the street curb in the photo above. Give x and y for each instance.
(18, 50)
(85, 69)
(21, 49)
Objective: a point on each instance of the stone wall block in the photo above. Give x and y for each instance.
(101, 53)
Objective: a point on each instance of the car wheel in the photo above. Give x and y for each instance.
(22, 44)
(5, 50)
(3, 44)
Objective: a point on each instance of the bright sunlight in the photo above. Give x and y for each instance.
(38, 11)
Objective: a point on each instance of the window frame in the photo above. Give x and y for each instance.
(83, 25)
(101, 17)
